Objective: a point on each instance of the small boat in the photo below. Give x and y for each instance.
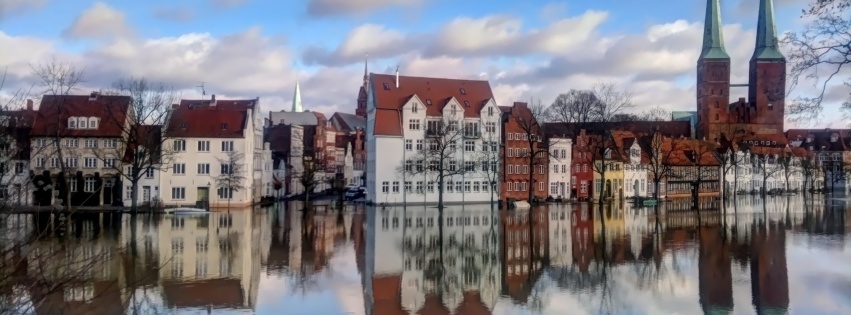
(185, 210)
(650, 202)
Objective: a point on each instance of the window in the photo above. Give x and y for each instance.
(490, 127)
(469, 166)
(203, 146)
(476, 188)
(452, 166)
(430, 187)
(93, 123)
(428, 101)
(409, 145)
(419, 187)
(90, 162)
(414, 124)
(466, 186)
(179, 145)
(40, 143)
(453, 126)
(91, 143)
(395, 187)
(203, 169)
(178, 193)
(385, 187)
(149, 173)
(89, 184)
(225, 126)
(419, 145)
(469, 146)
(540, 186)
(71, 162)
(110, 143)
(409, 165)
(178, 168)
(54, 162)
(227, 146)
(72, 123)
(490, 111)
(39, 162)
(226, 169)
(407, 187)
(415, 107)
(449, 186)
(71, 143)
(110, 163)
(225, 193)
(463, 91)
(19, 168)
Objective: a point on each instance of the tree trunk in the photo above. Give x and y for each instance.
(134, 191)
(440, 190)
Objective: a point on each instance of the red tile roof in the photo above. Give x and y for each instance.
(435, 93)
(388, 122)
(54, 111)
(686, 151)
(148, 136)
(199, 119)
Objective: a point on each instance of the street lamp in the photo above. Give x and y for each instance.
(207, 201)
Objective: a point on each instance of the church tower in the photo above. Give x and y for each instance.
(713, 76)
(767, 78)
(362, 94)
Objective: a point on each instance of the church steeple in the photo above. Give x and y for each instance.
(713, 38)
(766, 33)
(365, 68)
(297, 99)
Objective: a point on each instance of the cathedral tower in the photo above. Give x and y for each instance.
(767, 78)
(713, 75)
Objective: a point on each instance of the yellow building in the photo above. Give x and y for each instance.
(612, 185)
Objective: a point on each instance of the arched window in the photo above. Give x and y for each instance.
(82, 123)
(717, 117)
(93, 123)
(72, 123)
(717, 104)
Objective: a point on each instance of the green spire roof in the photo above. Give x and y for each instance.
(713, 39)
(766, 33)
(297, 99)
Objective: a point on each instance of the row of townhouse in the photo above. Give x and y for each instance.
(80, 149)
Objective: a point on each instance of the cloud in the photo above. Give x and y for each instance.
(8, 7)
(228, 3)
(99, 21)
(174, 14)
(344, 7)
(370, 39)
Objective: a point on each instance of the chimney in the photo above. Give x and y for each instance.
(213, 100)
(29, 105)
(397, 77)
(93, 96)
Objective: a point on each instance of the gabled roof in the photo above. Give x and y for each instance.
(196, 119)
(294, 118)
(388, 122)
(437, 90)
(821, 138)
(667, 128)
(53, 113)
(347, 122)
(688, 152)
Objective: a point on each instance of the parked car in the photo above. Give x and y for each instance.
(354, 193)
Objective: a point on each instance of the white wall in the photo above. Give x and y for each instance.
(635, 171)
(559, 167)
(191, 180)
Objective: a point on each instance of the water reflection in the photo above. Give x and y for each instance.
(780, 255)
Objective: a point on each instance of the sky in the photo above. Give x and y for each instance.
(528, 50)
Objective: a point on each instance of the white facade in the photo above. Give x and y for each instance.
(561, 244)
(747, 175)
(148, 186)
(15, 187)
(560, 161)
(386, 156)
(635, 174)
(404, 243)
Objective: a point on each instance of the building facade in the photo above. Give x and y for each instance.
(525, 158)
(560, 177)
(15, 128)
(421, 129)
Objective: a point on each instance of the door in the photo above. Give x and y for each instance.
(146, 194)
(203, 201)
(635, 188)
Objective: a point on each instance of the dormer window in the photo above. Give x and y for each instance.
(386, 86)
(428, 101)
(466, 104)
(72, 123)
(82, 123)
(770, 106)
(225, 126)
(463, 91)
(93, 123)
(184, 125)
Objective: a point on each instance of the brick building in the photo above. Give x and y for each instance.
(762, 111)
(525, 160)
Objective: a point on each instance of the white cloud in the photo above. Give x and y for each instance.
(343, 7)
(99, 21)
(7, 7)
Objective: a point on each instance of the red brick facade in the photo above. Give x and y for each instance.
(581, 169)
(518, 126)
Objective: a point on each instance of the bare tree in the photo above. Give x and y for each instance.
(575, 106)
(612, 101)
(535, 153)
(442, 158)
(489, 158)
(819, 51)
(695, 162)
(602, 150)
(309, 174)
(809, 170)
(15, 126)
(58, 79)
(789, 166)
(141, 146)
(232, 176)
(767, 163)
(655, 114)
(659, 151)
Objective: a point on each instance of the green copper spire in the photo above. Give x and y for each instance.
(297, 99)
(713, 39)
(766, 33)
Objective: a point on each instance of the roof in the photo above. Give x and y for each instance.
(388, 122)
(437, 91)
(207, 122)
(767, 47)
(347, 122)
(53, 113)
(218, 293)
(148, 136)
(222, 104)
(688, 151)
(713, 38)
(293, 118)
(667, 128)
(821, 138)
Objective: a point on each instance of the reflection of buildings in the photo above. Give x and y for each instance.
(769, 277)
(525, 250)
(303, 244)
(419, 261)
(714, 273)
(204, 261)
(559, 238)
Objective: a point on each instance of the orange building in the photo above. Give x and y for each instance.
(525, 160)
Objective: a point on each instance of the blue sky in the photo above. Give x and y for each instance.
(525, 48)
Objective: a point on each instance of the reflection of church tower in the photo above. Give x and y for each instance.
(525, 251)
(362, 93)
(769, 278)
(583, 236)
(715, 276)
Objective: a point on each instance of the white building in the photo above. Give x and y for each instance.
(560, 241)
(635, 171)
(15, 128)
(750, 169)
(404, 248)
(401, 110)
(560, 160)
(212, 138)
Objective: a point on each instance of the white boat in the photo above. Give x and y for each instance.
(185, 210)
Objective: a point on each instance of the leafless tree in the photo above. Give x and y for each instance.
(232, 176)
(809, 170)
(535, 153)
(142, 146)
(442, 158)
(655, 114)
(59, 79)
(602, 149)
(659, 151)
(309, 174)
(575, 106)
(819, 51)
(789, 166)
(612, 101)
(14, 132)
(489, 158)
(767, 165)
(695, 162)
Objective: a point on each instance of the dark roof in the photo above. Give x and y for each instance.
(195, 119)
(347, 122)
(667, 128)
(294, 118)
(18, 124)
(149, 137)
(54, 111)
(821, 138)
(222, 104)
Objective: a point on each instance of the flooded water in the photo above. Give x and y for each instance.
(777, 257)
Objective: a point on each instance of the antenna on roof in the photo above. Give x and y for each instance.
(203, 91)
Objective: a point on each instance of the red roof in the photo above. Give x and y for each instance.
(54, 111)
(435, 93)
(200, 119)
